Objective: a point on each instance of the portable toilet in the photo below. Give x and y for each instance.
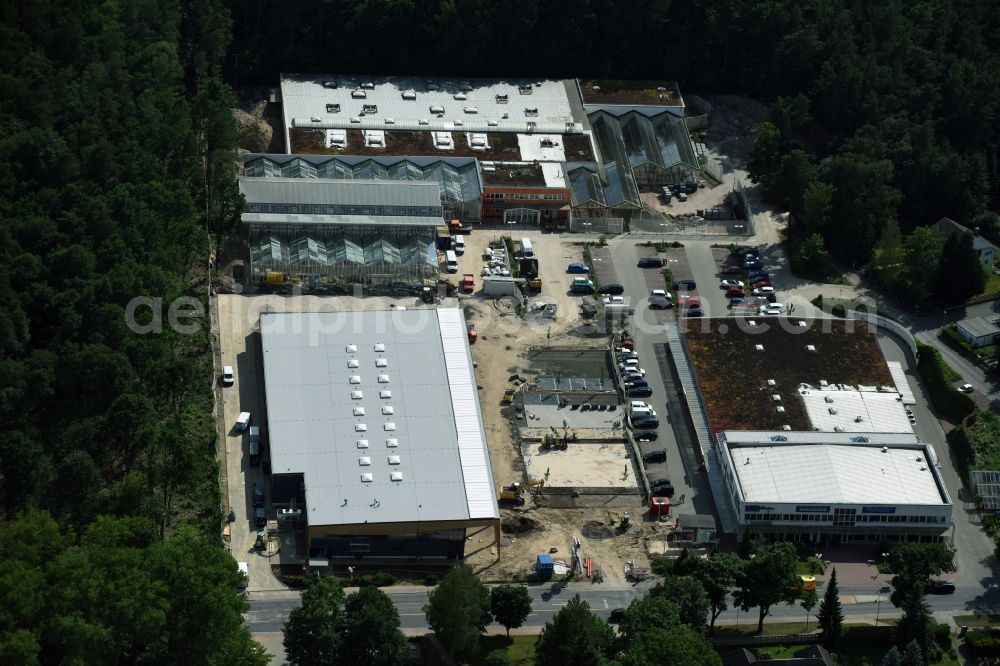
(659, 506)
(808, 583)
(544, 567)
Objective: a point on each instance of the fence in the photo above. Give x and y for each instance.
(888, 324)
(713, 170)
(741, 641)
(597, 225)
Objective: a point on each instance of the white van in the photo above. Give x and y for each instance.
(526, 250)
(242, 421)
(458, 242)
(451, 261)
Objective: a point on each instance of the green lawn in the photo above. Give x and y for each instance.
(977, 621)
(860, 645)
(992, 284)
(520, 649)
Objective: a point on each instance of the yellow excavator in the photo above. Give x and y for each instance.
(515, 491)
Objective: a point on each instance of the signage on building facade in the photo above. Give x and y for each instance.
(812, 509)
(757, 508)
(878, 509)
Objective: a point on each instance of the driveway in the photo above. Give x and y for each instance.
(650, 342)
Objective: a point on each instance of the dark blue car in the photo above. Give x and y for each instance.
(640, 392)
(753, 263)
(578, 268)
(759, 275)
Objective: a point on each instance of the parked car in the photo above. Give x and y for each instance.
(616, 615)
(684, 285)
(763, 291)
(966, 388)
(258, 495)
(772, 309)
(762, 282)
(626, 355)
(260, 516)
(578, 268)
(640, 392)
(634, 373)
(660, 303)
(614, 300)
(651, 262)
(942, 587)
(646, 435)
(655, 456)
(227, 375)
(661, 293)
(755, 275)
(735, 291)
(730, 270)
(744, 251)
(753, 263)
(694, 312)
(636, 383)
(612, 288)
(729, 284)
(662, 491)
(692, 303)
(242, 421)
(582, 286)
(736, 300)
(646, 424)
(771, 298)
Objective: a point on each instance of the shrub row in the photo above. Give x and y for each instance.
(947, 401)
(984, 642)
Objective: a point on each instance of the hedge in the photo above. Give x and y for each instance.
(950, 336)
(933, 372)
(984, 642)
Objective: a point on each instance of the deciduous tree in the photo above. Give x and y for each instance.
(677, 646)
(510, 605)
(574, 637)
(459, 611)
(690, 597)
(718, 575)
(314, 630)
(767, 579)
(371, 630)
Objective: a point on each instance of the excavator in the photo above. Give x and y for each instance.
(515, 491)
(623, 520)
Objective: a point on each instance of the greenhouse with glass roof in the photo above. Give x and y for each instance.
(334, 234)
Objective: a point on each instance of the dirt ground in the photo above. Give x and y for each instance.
(499, 353)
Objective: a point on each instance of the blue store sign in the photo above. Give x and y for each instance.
(812, 509)
(878, 509)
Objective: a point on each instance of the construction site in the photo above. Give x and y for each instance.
(567, 473)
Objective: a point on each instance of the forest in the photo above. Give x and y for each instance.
(117, 158)
(883, 113)
(116, 155)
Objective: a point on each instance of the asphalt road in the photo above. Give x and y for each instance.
(268, 611)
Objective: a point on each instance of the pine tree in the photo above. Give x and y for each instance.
(892, 657)
(830, 616)
(913, 655)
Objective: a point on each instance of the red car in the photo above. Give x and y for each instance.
(735, 291)
(730, 270)
(760, 283)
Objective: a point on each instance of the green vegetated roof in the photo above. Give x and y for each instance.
(733, 374)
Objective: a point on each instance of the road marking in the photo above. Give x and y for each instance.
(605, 604)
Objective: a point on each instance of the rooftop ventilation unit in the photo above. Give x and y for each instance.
(368, 85)
(354, 363)
(369, 108)
(392, 443)
(367, 477)
(355, 120)
(858, 419)
(460, 96)
(380, 346)
(759, 347)
(355, 379)
(393, 460)
(778, 438)
(492, 123)
(396, 476)
(780, 409)
(828, 399)
(359, 94)
(362, 443)
(357, 395)
(333, 108)
(360, 427)
(838, 428)
(823, 382)
(596, 88)
(802, 323)
(530, 127)
(531, 112)
(409, 94)
(546, 143)
(316, 119)
(860, 440)
(388, 409)
(364, 461)
(502, 99)
(751, 322)
(436, 109)
(383, 379)
(811, 348)
(524, 90)
(833, 410)
(381, 363)
(330, 84)
(424, 121)
(771, 382)
(389, 426)
(471, 109)
(359, 411)
(786, 427)
(385, 394)
(776, 397)
(885, 449)
(660, 89)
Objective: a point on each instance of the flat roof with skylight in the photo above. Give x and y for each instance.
(378, 411)
(834, 468)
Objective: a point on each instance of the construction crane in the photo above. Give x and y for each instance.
(515, 491)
